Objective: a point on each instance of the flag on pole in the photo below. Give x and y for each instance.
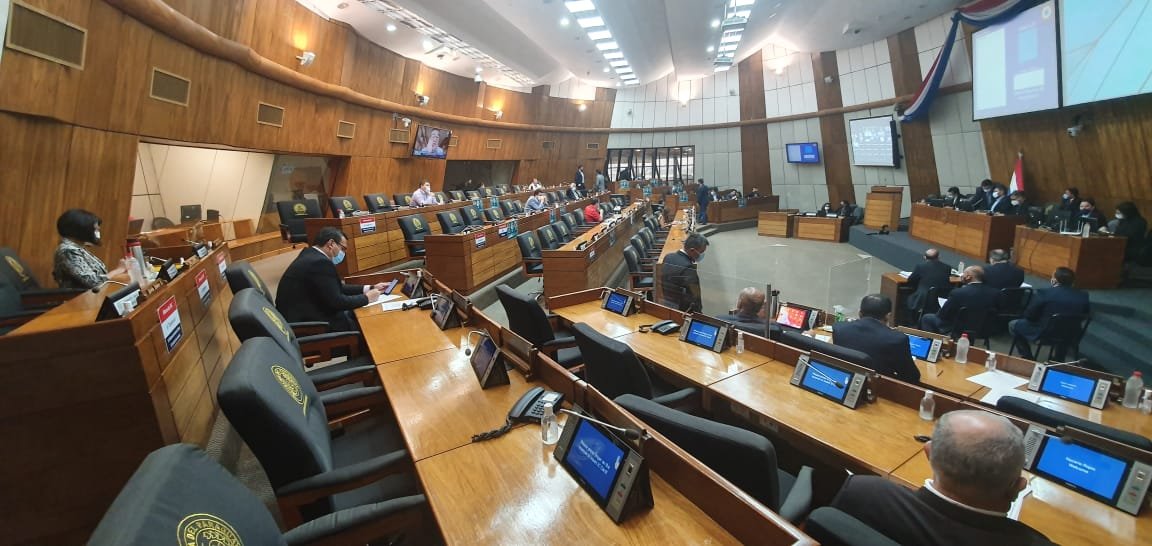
(1017, 183)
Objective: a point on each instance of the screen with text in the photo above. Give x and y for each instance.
(702, 334)
(1105, 46)
(793, 317)
(616, 303)
(873, 142)
(920, 346)
(826, 380)
(1014, 65)
(1070, 386)
(595, 458)
(1082, 468)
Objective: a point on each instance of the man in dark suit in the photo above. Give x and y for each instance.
(748, 315)
(931, 273)
(703, 197)
(1000, 202)
(976, 460)
(1090, 215)
(978, 297)
(1001, 273)
(887, 348)
(311, 288)
(1062, 298)
(953, 198)
(1019, 205)
(679, 281)
(982, 199)
(579, 178)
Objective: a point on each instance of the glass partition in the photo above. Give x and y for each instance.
(848, 283)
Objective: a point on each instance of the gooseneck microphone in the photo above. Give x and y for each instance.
(96, 289)
(468, 340)
(629, 433)
(826, 377)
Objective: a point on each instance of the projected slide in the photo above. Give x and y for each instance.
(1014, 65)
(873, 142)
(1106, 46)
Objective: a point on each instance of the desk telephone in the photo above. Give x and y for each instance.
(528, 409)
(666, 327)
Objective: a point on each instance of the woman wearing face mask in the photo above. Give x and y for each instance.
(1070, 201)
(1128, 223)
(74, 266)
(825, 210)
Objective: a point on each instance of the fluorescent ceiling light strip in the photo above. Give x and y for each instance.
(619, 63)
(730, 38)
(738, 3)
(729, 47)
(614, 55)
(589, 22)
(578, 6)
(600, 35)
(605, 46)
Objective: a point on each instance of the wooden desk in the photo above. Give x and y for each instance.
(605, 322)
(532, 500)
(775, 224)
(396, 335)
(697, 365)
(1064, 516)
(893, 285)
(883, 206)
(720, 212)
(1113, 415)
(1097, 261)
(971, 233)
(816, 228)
(567, 269)
(460, 264)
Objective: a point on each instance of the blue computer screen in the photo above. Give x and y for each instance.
(616, 303)
(1104, 48)
(826, 380)
(1082, 468)
(595, 458)
(1066, 385)
(920, 346)
(702, 334)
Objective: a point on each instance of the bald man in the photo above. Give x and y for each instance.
(980, 300)
(749, 313)
(976, 460)
(928, 274)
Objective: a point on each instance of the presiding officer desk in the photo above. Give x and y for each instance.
(729, 210)
(590, 259)
(876, 437)
(971, 233)
(510, 489)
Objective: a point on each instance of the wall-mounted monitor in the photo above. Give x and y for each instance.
(431, 142)
(874, 142)
(1104, 49)
(1014, 65)
(803, 152)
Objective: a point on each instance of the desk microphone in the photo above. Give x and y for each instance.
(96, 289)
(629, 433)
(826, 377)
(468, 340)
(1080, 362)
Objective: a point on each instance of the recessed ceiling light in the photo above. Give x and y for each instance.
(711, 49)
(607, 46)
(564, 21)
(624, 70)
(600, 35)
(618, 84)
(427, 44)
(740, 3)
(619, 63)
(729, 47)
(730, 38)
(743, 13)
(390, 27)
(479, 69)
(589, 22)
(606, 69)
(721, 68)
(578, 6)
(614, 55)
(715, 23)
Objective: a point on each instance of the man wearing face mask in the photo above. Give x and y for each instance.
(679, 279)
(1000, 203)
(74, 266)
(1131, 225)
(1062, 299)
(1089, 215)
(1070, 201)
(312, 290)
(1019, 206)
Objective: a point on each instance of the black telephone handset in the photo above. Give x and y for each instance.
(530, 407)
(666, 327)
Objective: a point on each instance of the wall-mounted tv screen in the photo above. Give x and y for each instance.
(431, 142)
(1104, 47)
(1014, 65)
(874, 142)
(803, 152)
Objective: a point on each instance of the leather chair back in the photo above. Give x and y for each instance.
(569, 219)
(562, 233)
(16, 271)
(377, 202)
(441, 197)
(508, 207)
(579, 214)
(493, 214)
(473, 216)
(548, 238)
(251, 315)
(638, 244)
(241, 275)
(402, 199)
(632, 260)
(649, 238)
(472, 194)
(805, 343)
(292, 216)
(1051, 418)
(450, 221)
(457, 195)
(525, 317)
(346, 203)
(414, 227)
(529, 245)
(610, 365)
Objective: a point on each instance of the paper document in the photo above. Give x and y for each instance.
(392, 305)
(941, 301)
(905, 274)
(994, 395)
(1014, 510)
(387, 297)
(998, 380)
(1025, 285)
(824, 338)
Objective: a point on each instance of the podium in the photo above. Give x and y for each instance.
(883, 207)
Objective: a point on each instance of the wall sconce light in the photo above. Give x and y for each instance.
(498, 114)
(828, 80)
(306, 58)
(406, 122)
(478, 78)
(582, 107)
(422, 100)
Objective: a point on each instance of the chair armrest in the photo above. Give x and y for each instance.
(322, 345)
(308, 328)
(368, 522)
(285, 234)
(559, 343)
(345, 478)
(799, 500)
(18, 318)
(683, 398)
(833, 527)
(47, 297)
(344, 402)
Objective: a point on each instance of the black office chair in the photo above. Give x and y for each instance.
(640, 278)
(493, 215)
(377, 202)
(179, 490)
(1060, 333)
(548, 238)
(240, 275)
(212, 215)
(32, 295)
(345, 203)
(1051, 418)
(190, 214)
(442, 197)
(528, 320)
(415, 228)
(472, 194)
(292, 217)
(831, 527)
(457, 195)
(402, 199)
(1010, 305)
(450, 222)
(800, 341)
(745, 458)
(472, 216)
(650, 237)
(508, 208)
(580, 219)
(498, 191)
(516, 188)
(161, 222)
(646, 258)
(979, 324)
(561, 230)
(278, 412)
(557, 197)
(12, 312)
(930, 304)
(530, 253)
(614, 370)
(573, 224)
(486, 192)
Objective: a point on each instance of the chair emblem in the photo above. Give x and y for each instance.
(290, 386)
(299, 209)
(531, 243)
(347, 204)
(205, 530)
(275, 318)
(379, 200)
(452, 216)
(416, 222)
(408, 199)
(15, 265)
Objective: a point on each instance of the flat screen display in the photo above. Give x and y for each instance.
(482, 358)
(594, 459)
(1014, 65)
(702, 334)
(431, 142)
(793, 317)
(920, 346)
(874, 142)
(1104, 47)
(1071, 386)
(804, 152)
(1084, 469)
(825, 380)
(617, 303)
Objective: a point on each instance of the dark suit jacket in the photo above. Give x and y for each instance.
(887, 348)
(1003, 275)
(925, 275)
(922, 517)
(703, 197)
(1002, 205)
(953, 202)
(579, 179)
(311, 289)
(975, 296)
(1059, 299)
(680, 282)
(981, 200)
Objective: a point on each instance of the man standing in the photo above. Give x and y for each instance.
(703, 197)
(931, 273)
(312, 290)
(886, 348)
(979, 299)
(535, 185)
(679, 279)
(601, 181)
(579, 180)
(1001, 273)
(1062, 298)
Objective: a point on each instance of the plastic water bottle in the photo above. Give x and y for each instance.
(990, 362)
(960, 267)
(927, 406)
(339, 213)
(1132, 390)
(133, 268)
(549, 430)
(962, 349)
(1146, 403)
(739, 342)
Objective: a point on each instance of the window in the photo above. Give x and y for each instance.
(666, 163)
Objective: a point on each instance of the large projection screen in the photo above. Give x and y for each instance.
(873, 142)
(1106, 47)
(1014, 65)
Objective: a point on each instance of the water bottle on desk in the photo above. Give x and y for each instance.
(927, 406)
(549, 430)
(739, 342)
(962, 349)
(960, 267)
(1132, 389)
(990, 362)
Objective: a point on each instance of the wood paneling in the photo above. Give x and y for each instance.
(919, 153)
(837, 165)
(754, 158)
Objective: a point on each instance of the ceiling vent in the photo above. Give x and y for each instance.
(41, 34)
(592, 146)
(454, 141)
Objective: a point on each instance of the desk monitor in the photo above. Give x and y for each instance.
(444, 312)
(620, 302)
(796, 316)
(119, 303)
(1070, 383)
(610, 471)
(1093, 470)
(830, 378)
(413, 287)
(705, 332)
(487, 363)
(924, 345)
(190, 214)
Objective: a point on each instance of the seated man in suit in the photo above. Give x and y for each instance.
(1001, 273)
(982, 199)
(749, 312)
(976, 460)
(423, 195)
(871, 335)
(975, 295)
(538, 201)
(928, 274)
(953, 198)
(1019, 206)
(1000, 202)
(679, 281)
(311, 288)
(754, 193)
(1061, 298)
(574, 192)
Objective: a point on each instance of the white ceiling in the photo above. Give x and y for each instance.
(658, 37)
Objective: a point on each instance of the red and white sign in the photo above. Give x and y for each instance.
(202, 287)
(368, 224)
(221, 264)
(170, 323)
(481, 240)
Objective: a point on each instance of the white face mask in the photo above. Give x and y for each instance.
(700, 257)
(995, 194)
(1119, 215)
(1016, 203)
